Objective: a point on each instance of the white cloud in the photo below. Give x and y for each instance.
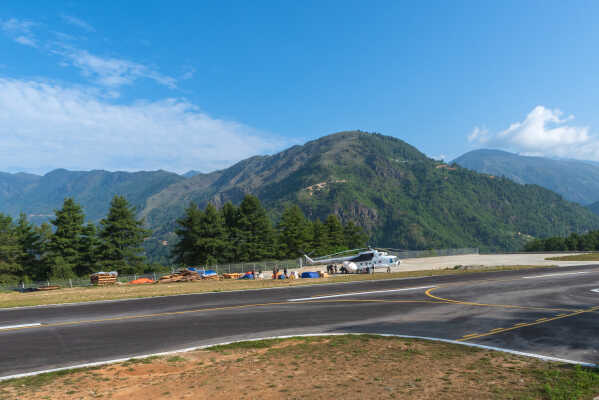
(543, 132)
(44, 125)
(106, 71)
(112, 72)
(77, 22)
(19, 31)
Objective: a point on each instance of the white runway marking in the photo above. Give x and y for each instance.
(20, 326)
(360, 293)
(552, 275)
(595, 290)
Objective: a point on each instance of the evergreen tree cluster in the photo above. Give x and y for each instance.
(245, 233)
(574, 242)
(69, 247)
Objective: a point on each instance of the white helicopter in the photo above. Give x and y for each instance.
(363, 262)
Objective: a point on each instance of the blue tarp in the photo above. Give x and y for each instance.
(310, 275)
(247, 276)
(281, 276)
(209, 272)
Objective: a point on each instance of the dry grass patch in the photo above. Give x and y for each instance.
(576, 257)
(346, 367)
(97, 293)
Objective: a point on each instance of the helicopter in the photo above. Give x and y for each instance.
(363, 262)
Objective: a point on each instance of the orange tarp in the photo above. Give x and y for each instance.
(140, 281)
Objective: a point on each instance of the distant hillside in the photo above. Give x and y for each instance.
(575, 180)
(191, 173)
(402, 197)
(594, 207)
(39, 196)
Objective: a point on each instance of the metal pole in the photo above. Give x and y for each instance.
(70, 283)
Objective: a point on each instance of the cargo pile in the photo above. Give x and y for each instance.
(233, 275)
(181, 276)
(103, 278)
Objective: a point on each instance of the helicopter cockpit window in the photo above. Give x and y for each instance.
(364, 257)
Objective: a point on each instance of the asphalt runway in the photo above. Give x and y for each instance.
(546, 311)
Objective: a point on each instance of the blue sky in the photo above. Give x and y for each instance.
(197, 85)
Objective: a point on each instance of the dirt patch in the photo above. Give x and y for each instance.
(345, 367)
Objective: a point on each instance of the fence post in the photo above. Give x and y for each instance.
(47, 283)
(154, 276)
(70, 283)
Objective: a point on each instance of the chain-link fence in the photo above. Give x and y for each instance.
(219, 268)
(224, 268)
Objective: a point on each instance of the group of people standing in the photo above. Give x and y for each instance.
(332, 269)
(277, 274)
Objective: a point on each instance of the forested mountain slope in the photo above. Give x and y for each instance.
(39, 196)
(403, 198)
(575, 180)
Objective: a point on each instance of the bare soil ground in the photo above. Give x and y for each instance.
(95, 293)
(344, 367)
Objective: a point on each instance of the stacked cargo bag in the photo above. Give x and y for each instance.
(104, 278)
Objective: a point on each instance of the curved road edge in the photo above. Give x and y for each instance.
(202, 347)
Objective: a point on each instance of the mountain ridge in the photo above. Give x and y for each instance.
(403, 198)
(575, 180)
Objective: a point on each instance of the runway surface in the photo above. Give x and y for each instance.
(547, 311)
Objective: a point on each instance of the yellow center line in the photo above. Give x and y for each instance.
(518, 326)
(569, 313)
(171, 313)
(470, 303)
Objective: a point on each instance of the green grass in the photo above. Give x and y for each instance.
(176, 359)
(567, 382)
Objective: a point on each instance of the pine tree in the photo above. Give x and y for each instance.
(212, 236)
(65, 244)
(44, 233)
(257, 239)
(319, 243)
(90, 251)
(188, 232)
(334, 232)
(10, 251)
(121, 236)
(31, 246)
(354, 236)
(294, 232)
(230, 217)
